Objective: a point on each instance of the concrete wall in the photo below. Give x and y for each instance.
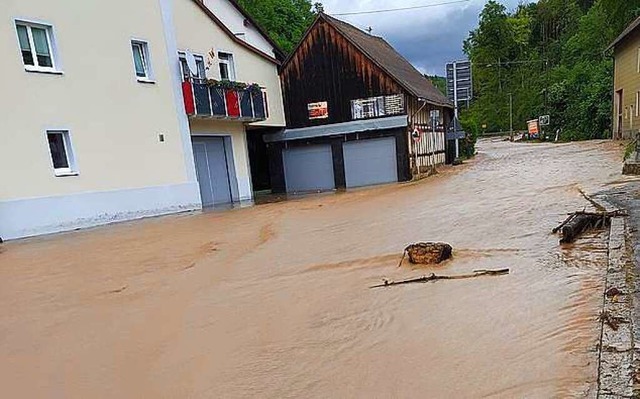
(627, 79)
(114, 120)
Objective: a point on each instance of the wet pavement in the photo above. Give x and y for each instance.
(625, 194)
(273, 301)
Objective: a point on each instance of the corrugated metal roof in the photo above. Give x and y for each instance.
(387, 58)
(359, 126)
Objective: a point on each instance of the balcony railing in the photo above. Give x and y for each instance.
(205, 101)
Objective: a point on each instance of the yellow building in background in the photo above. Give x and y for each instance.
(626, 100)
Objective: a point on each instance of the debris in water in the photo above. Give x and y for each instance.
(119, 290)
(427, 253)
(434, 278)
(612, 292)
(612, 321)
(579, 222)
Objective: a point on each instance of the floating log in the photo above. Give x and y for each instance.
(434, 278)
(579, 222)
(427, 253)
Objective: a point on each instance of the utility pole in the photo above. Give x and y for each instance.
(511, 116)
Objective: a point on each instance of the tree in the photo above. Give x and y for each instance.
(284, 20)
(440, 82)
(550, 56)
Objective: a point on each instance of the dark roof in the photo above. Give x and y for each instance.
(217, 21)
(625, 33)
(394, 64)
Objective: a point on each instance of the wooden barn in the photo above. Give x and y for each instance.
(357, 113)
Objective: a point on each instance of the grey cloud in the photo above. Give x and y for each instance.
(429, 37)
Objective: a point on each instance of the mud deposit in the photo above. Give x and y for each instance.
(273, 301)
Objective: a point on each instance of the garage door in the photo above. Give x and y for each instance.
(212, 170)
(308, 168)
(368, 162)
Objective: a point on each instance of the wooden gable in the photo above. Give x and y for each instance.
(327, 67)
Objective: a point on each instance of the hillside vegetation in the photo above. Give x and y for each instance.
(550, 56)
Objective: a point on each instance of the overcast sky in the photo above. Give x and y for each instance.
(428, 37)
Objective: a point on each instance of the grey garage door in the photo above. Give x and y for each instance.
(212, 170)
(368, 162)
(308, 168)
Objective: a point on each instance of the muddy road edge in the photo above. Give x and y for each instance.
(618, 356)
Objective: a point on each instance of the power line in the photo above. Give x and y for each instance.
(491, 64)
(401, 8)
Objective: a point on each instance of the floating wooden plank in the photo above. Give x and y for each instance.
(433, 278)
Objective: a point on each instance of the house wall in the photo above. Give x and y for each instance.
(196, 32)
(235, 21)
(627, 79)
(124, 171)
(326, 67)
(430, 149)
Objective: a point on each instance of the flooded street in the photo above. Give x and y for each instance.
(274, 301)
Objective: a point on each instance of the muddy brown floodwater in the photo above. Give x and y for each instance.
(273, 301)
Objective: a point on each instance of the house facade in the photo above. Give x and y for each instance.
(626, 92)
(96, 121)
(357, 113)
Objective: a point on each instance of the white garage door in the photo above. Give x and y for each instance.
(308, 169)
(369, 162)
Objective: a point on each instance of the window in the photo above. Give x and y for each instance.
(227, 69)
(638, 61)
(141, 60)
(184, 68)
(637, 103)
(35, 42)
(61, 152)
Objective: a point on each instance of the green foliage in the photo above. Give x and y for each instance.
(550, 57)
(474, 129)
(440, 82)
(284, 20)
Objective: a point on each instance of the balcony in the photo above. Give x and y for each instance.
(202, 100)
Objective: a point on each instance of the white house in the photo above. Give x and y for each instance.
(96, 118)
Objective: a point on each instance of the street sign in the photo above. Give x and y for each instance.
(459, 82)
(545, 120)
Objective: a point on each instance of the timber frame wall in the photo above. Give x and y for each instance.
(327, 67)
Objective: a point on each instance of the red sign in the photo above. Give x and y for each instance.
(318, 110)
(533, 127)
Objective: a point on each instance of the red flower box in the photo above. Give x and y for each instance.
(187, 95)
(233, 104)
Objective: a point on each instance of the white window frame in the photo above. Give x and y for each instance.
(637, 107)
(265, 98)
(638, 61)
(72, 170)
(55, 67)
(198, 57)
(147, 63)
(231, 65)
